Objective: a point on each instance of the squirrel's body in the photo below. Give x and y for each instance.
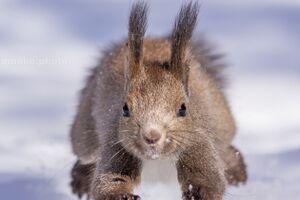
(101, 99)
(105, 140)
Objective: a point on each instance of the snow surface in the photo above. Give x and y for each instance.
(47, 47)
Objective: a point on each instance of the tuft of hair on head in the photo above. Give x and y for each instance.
(136, 31)
(182, 32)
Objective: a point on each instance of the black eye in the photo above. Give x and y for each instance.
(126, 110)
(182, 110)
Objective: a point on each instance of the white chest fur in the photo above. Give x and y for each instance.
(159, 181)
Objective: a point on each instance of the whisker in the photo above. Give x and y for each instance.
(122, 149)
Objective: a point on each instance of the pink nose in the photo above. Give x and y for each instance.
(152, 137)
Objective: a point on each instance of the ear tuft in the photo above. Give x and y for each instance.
(136, 32)
(182, 32)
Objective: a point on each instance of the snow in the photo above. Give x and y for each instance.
(48, 46)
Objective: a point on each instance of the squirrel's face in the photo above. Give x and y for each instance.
(156, 118)
(155, 114)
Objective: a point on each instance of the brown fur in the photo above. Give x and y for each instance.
(235, 172)
(81, 178)
(155, 77)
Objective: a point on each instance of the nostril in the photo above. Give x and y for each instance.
(152, 137)
(150, 140)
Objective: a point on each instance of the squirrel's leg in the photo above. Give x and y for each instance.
(81, 178)
(116, 174)
(236, 170)
(201, 174)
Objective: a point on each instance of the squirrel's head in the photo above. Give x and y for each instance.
(156, 99)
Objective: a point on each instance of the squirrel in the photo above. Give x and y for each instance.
(152, 98)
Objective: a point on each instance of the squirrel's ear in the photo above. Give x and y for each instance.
(181, 35)
(136, 32)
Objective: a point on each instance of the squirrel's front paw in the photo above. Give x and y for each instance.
(129, 197)
(193, 193)
(200, 193)
(119, 197)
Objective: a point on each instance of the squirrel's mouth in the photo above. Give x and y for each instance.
(152, 153)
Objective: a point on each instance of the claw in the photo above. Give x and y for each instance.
(129, 197)
(193, 193)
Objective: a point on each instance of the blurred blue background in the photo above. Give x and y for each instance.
(48, 46)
